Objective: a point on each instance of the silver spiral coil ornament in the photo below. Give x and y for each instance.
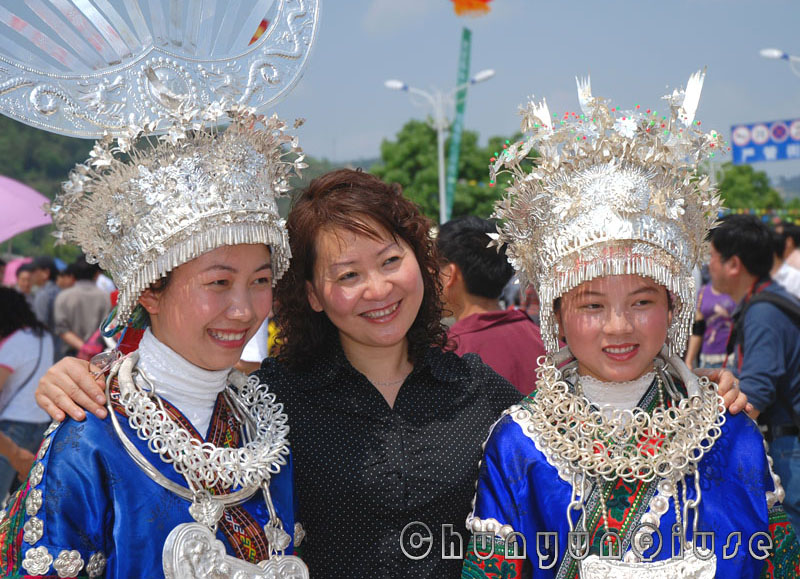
(201, 463)
(631, 445)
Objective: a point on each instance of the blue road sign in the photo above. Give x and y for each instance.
(772, 141)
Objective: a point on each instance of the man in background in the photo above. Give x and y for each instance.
(66, 277)
(44, 277)
(25, 282)
(81, 309)
(767, 339)
(473, 276)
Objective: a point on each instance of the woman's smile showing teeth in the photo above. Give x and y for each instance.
(228, 336)
(621, 352)
(378, 315)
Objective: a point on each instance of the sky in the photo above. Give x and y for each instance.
(635, 51)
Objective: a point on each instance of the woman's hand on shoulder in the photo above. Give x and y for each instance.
(735, 400)
(70, 387)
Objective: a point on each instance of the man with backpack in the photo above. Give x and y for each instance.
(766, 338)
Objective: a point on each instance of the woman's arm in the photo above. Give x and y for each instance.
(695, 340)
(70, 387)
(692, 351)
(21, 459)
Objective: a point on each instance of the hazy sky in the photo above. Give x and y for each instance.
(635, 50)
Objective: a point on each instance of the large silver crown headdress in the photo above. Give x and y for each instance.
(610, 193)
(143, 205)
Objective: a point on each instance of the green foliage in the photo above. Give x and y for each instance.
(411, 161)
(42, 161)
(742, 187)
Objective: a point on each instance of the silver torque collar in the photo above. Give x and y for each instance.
(582, 441)
(192, 549)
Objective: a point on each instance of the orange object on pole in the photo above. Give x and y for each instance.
(471, 6)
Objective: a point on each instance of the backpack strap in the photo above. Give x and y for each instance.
(790, 307)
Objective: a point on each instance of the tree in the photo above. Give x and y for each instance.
(42, 161)
(742, 187)
(411, 161)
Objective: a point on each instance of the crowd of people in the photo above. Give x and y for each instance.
(354, 449)
(48, 313)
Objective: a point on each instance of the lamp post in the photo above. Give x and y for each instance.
(778, 54)
(439, 101)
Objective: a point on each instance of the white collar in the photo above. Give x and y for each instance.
(622, 395)
(189, 388)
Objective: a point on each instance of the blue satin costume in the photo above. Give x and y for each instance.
(518, 487)
(94, 499)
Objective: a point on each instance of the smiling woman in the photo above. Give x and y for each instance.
(189, 472)
(622, 459)
(213, 305)
(386, 425)
(616, 325)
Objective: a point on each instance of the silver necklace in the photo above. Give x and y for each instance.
(389, 382)
(395, 382)
(192, 549)
(599, 445)
(203, 464)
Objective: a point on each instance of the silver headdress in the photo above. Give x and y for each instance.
(142, 206)
(128, 69)
(610, 193)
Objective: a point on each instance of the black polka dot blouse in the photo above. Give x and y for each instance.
(378, 487)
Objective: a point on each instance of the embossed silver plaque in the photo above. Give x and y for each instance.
(84, 67)
(192, 551)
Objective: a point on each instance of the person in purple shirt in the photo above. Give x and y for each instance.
(768, 347)
(713, 322)
(473, 276)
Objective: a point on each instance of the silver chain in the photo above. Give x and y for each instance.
(202, 464)
(624, 444)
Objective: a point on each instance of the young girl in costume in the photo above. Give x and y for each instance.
(190, 474)
(622, 463)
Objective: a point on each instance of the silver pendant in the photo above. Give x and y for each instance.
(277, 538)
(206, 511)
(193, 551)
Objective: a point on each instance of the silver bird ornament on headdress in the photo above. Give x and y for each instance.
(610, 193)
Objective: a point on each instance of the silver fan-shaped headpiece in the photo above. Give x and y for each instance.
(85, 68)
(127, 70)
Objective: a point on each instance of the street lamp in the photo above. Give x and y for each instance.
(778, 54)
(439, 101)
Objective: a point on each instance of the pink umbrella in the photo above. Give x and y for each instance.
(10, 278)
(20, 208)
